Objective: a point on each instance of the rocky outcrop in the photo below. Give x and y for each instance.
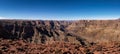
(83, 31)
(59, 37)
(36, 31)
(96, 30)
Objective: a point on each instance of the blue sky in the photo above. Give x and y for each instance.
(59, 9)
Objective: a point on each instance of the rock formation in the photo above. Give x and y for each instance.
(36, 31)
(82, 36)
(69, 31)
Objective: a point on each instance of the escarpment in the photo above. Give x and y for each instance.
(83, 31)
(35, 31)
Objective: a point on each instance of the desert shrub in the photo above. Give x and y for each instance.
(58, 52)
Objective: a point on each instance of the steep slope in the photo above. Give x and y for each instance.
(83, 31)
(39, 31)
(97, 30)
(59, 37)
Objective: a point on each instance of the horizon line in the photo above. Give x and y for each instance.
(4, 18)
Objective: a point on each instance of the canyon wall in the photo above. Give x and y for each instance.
(81, 31)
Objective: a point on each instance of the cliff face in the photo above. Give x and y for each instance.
(97, 30)
(35, 31)
(69, 31)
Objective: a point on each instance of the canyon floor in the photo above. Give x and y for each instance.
(59, 37)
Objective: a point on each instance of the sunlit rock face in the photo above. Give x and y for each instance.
(82, 31)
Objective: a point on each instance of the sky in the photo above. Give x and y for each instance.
(60, 9)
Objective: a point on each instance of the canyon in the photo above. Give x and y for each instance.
(82, 33)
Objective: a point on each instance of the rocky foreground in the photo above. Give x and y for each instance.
(59, 37)
(22, 47)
